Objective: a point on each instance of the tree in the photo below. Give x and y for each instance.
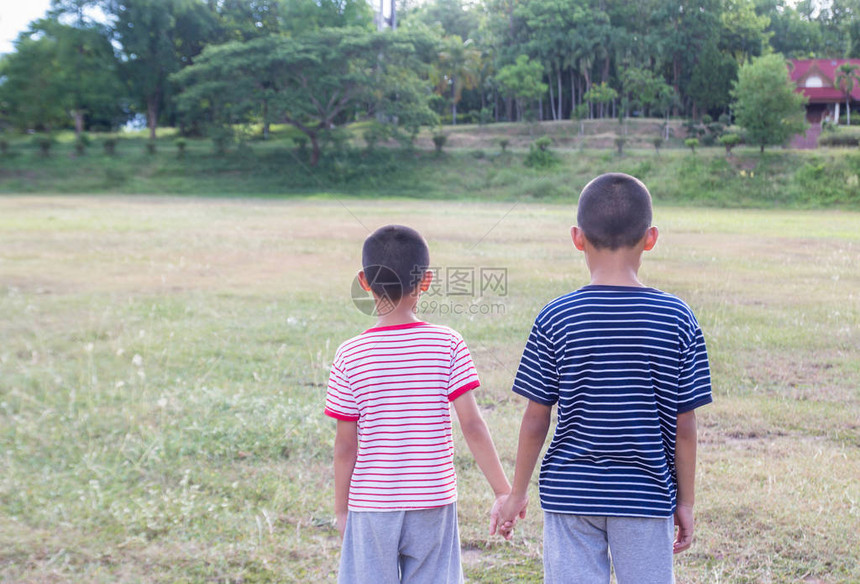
(312, 82)
(712, 79)
(158, 38)
(600, 93)
(458, 69)
(643, 88)
(59, 72)
(766, 105)
(522, 81)
(847, 77)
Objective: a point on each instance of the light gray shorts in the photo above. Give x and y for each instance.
(420, 546)
(577, 548)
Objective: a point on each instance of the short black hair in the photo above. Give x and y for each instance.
(394, 259)
(614, 211)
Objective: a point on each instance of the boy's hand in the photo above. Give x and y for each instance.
(341, 522)
(505, 514)
(684, 522)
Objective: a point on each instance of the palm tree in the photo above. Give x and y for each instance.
(846, 78)
(459, 68)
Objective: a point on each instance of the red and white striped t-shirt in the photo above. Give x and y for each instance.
(398, 382)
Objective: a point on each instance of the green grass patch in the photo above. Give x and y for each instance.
(164, 364)
(472, 167)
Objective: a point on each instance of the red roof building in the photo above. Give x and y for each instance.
(816, 79)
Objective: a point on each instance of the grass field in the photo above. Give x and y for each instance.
(163, 369)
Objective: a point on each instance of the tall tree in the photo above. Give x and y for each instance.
(766, 104)
(847, 77)
(459, 68)
(157, 38)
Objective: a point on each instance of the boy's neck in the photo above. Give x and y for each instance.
(615, 268)
(403, 312)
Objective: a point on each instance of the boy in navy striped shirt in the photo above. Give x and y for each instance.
(626, 366)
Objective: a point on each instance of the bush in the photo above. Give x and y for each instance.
(82, 142)
(730, 141)
(4, 147)
(151, 148)
(657, 141)
(843, 138)
(222, 137)
(540, 156)
(181, 145)
(620, 141)
(301, 142)
(691, 143)
(109, 145)
(725, 119)
(376, 133)
(44, 143)
(439, 142)
(504, 143)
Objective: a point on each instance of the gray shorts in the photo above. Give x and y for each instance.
(577, 548)
(420, 546)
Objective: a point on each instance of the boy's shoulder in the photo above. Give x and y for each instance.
(613, 297)
(404, 331)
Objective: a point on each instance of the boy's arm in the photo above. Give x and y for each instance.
(481, 443)
(533, 431)
(685, 468)
(345, 454)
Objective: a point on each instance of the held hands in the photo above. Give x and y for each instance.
(506, 510)
(685, 525)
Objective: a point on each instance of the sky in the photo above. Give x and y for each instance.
(15, 15)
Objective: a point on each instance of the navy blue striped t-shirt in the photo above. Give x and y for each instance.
(621, 363)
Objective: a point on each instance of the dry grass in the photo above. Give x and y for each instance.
(164, 361)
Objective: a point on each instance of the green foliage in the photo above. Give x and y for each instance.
(540, 156)
(181, 146)
(109, 144)
(439, 141)
(151, 147)
(645, 89)
(729, 141)
(843, 137)
(847, 76)
(600, 93)
(657, 141)
(313, 81)
(522, 81)
(4, 146)
(44, 143)
(766, 105)
(692, 144)
(222, 137)
(504, 143)
(82, 142)
(620, 141)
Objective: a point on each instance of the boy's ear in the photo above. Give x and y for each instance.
(362, 280)
(651, 238)
(426, 280)
(578, 237)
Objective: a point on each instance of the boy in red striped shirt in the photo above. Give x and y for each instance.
(390, 391)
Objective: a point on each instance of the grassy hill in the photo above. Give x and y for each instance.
(472, 166)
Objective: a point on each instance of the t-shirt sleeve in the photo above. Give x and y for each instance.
(462, 376)
(694, 386)
(537, 375)
(339, 400)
